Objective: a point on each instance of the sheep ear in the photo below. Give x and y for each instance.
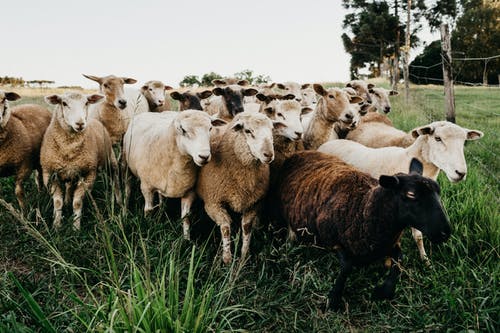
(12, 96)
(305, 110)
(416, 167)
(370, 85)
(53, 99)
(278, 125)
(261, 97)
(237, 126)
(129, 80)
(249, 92)
(218, 122)
(288, 97)
(218, 91)
(95, 98)
(281, 86)
(305, 85)
(474, 135)
(355, 99)
(93, 78)
(177, 96)
(269, 112)
(218, 82)
(393, 93)
(318, 88)
(388, 181)
(168, 88)
(271, 85)
(204, 94)
(243, 83)
(424, 130)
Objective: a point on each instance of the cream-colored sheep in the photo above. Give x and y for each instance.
(164, 150)
(237, 176)
(73, 149)
(298, 90)
(154, 91)
(376, 130)
(380, 99)
(439, 146)
(119, 106)
(333, 105)
(21, 132)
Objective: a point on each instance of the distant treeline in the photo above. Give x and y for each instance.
(20, 82)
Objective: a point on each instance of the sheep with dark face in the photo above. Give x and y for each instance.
(362, 219)
(228, 99)
(190, 100)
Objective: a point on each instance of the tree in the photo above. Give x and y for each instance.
(190, 80)
(248, 74)
(206, 79)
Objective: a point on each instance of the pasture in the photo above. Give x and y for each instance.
(126, 272)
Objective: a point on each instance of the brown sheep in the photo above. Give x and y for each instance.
(21, 133)
(361, 218)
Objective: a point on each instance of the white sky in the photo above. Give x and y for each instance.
(294, 40)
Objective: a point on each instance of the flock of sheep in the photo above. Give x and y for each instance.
(325, 161)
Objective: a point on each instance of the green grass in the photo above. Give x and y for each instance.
(124, 272)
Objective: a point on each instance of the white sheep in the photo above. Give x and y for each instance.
(21, 132)
(73, 149)
(439, 146)
(164, 150)
(380, 99)
(120, 105)
(237, 176)
(333, 105)
(154, 91)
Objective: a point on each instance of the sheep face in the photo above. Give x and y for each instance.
(289, 113)
(308, 97)
(362, 88)
(256, 130)
(112, 87)
(190, 100)
(232, 96)
(338, 104)
(5, 97)
(298, 91)
(154, 91)
(72, 109)
(445, 147)
(419, 203)
(380, 98)
(193, 134)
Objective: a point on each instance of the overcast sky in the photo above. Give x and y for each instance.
(166, 40)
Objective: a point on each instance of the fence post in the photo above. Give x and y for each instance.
(447, 73)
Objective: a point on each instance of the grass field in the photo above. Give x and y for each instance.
(124, 272)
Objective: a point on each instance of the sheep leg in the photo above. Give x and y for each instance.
(19, 190)
(125, 173)
(57, 198)
(115, 174)
(148, 195)
(247, 222)
(387, 289)
(419, 239)
(223, 220)
(186, 203)
(82, 186)
(70, 188)
(335, 295)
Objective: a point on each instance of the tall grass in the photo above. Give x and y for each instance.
(125, 272)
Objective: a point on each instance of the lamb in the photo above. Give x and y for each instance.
(21, 132)
(165, 150)
(119, 107)
(334, 105)
(439, 145)
(376, 130)
(190, 100)
(380, 99)
(237, 177)
(344, 209)
(228, 100)
(154, 91)
(74, 147)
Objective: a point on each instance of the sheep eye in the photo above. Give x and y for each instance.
(150, 89)
(281, 115)
(410, 195)
(64, 104)
(438, 139)
(331, 96)
(248, 131)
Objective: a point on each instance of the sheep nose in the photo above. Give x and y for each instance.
(268, 155)
(349, 116)
(298, 134)
(461, 175)
(160, 103)
(387, 109)
(204, 157)
(122, 103)
(80, 125)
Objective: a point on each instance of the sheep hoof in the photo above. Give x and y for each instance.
(384, 291)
